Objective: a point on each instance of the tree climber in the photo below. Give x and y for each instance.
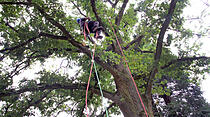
(93, 27)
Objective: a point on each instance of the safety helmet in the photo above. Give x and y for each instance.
(78, 20)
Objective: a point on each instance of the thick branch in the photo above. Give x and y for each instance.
(14, 3)
(52, 21)
(143, 51)
(136, 42)
(120, 15)
(32, 39)
(20, 45)
(184, 59)
(53, 36)
(93, 4)
(138, 39)
(159, 46)
(163, 29)
(42, 87)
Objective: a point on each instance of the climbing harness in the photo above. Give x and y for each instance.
(129, 69)
(91, 68)
(88, 34)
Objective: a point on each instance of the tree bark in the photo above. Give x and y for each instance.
(128, 101)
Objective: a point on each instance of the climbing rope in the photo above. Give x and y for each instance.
(91, 68)
(86, 26)
(99, 84)
(129, 69)
(93, 64)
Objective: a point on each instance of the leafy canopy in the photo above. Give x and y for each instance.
(34, 30)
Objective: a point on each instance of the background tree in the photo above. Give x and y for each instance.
(34, 30)
(184, 100)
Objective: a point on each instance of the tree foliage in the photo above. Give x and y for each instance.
(182, 100)
(33, 31)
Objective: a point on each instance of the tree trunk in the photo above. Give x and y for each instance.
(129, 102)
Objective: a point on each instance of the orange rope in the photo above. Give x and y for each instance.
(86, 26)
(91, 68)
(129, 70)
(84, 32)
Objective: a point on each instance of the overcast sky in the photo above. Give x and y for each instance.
(196, 8)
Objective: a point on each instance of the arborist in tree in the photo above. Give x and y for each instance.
(92, 27)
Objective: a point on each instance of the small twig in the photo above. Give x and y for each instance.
(7, 24)
(78, 9)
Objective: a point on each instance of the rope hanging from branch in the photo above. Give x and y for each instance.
(129, 69)
(91, 68)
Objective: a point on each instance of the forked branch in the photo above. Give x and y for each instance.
(120, 14)
(160, 45)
